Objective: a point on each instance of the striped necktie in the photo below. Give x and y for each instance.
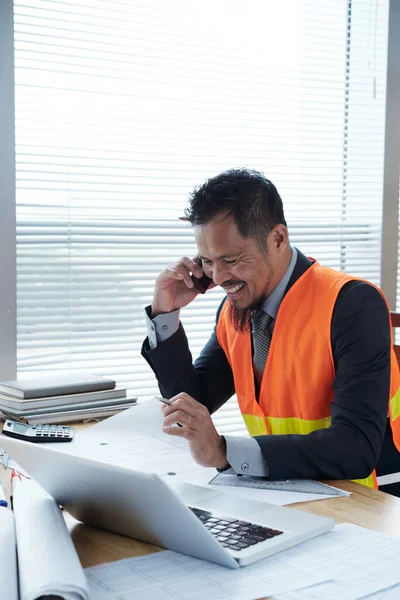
(261, 339)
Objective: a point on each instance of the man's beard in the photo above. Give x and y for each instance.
(241, 317)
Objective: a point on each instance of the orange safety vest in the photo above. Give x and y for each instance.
(294, 398)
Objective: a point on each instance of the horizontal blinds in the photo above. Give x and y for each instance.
(123, 107)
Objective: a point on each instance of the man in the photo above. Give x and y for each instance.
(306, 349)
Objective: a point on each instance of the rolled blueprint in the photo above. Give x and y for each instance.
(47, 560)
(8, 556)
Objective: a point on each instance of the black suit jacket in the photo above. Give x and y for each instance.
(360, 339)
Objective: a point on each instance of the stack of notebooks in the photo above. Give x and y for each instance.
(61, 399)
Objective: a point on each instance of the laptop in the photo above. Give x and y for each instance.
(194, 520)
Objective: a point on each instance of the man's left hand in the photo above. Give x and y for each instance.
(207, 447)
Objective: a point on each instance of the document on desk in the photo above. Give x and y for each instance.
(311, 593)
(350, 563)
(133, 439)
(392, 593)
(357, 562)
(169, 575)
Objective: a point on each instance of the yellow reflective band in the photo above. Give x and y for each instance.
(255, 425)
(368, 481)
(290, 425)
(395, 405)
(281, 426)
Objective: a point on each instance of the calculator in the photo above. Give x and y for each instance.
(38, 433)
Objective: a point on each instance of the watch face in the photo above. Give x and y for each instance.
(19, 428)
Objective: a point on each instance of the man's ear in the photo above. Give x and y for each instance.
(280, 236)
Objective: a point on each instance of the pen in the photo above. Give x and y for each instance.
(165, 401)
(3, 501)
(15, 477)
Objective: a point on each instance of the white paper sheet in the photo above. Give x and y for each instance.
(392, 593)
(168, 575)
(8, 556)
(359, 562)
(133, 439)
(351, 563)
(47, 560)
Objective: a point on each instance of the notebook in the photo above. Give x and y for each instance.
(143, 506)
(57, 385)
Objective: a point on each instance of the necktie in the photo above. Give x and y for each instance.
(261, 339)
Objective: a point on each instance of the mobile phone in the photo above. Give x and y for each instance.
(38, 433)
(201, 283)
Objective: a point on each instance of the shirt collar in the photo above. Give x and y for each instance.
(272, 302)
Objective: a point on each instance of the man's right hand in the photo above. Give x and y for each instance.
(174, 287)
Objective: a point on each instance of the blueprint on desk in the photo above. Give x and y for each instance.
(347, 563)
(133, 439)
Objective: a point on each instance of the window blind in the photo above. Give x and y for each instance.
(123, 107)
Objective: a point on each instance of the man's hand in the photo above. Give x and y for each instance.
(174, 287)
(207, 447)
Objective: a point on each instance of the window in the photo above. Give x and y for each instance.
(123, 107)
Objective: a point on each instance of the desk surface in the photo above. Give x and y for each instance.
(365, 507)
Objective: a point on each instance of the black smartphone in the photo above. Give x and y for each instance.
(201, 283)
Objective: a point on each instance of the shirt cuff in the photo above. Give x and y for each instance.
(162, 327)
(245, 457)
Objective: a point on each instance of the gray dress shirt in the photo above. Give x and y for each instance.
(243, 454)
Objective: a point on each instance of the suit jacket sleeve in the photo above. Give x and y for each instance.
(209, 380)
(350, 448)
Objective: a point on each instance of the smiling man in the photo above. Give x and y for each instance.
(306, 349)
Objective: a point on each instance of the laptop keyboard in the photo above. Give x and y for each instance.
(232, 533)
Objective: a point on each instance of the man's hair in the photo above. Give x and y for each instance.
(247, 195)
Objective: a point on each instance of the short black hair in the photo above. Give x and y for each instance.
(247, 195)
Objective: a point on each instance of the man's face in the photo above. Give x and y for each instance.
(237, 264)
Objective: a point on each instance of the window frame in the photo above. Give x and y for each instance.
(8, 233)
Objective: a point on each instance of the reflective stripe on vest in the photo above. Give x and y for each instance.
(395, 405)
(394, 412)
(295, 395)
(270, 425)
(278, 426)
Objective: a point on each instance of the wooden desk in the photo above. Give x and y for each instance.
(365, 507)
